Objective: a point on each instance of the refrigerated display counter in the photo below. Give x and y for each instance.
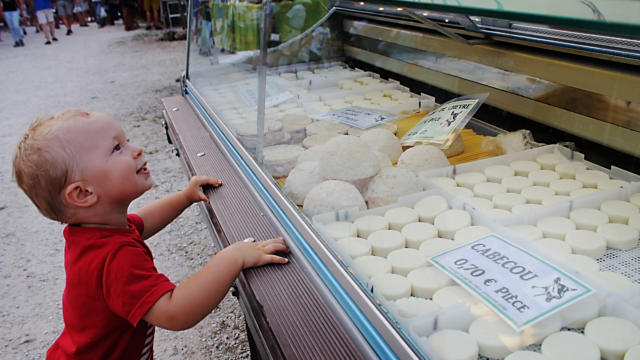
(283, 128)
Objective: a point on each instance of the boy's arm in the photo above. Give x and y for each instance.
(161, 212)
(197, 296)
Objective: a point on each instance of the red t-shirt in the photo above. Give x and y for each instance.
(111, 283)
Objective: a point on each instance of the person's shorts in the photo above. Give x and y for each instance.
(82, 6)
(64, 7)
(44, 16)
(151, 5)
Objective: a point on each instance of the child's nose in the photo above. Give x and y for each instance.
(137, 151)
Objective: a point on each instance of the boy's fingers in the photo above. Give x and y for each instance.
(275, 259)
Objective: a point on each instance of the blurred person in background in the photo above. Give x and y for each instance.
(12, 9)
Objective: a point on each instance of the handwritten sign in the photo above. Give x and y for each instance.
(356, 116)
(516, 284)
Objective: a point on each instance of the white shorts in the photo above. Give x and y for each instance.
(44, 16)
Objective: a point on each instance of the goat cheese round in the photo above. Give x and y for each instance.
(618, 210)
(583, 263)
(578, 314)
(361, 162)
(453, 345)
(588, 218)
(612, 281)
(340, 229)
(332, 195)
(633, 353)
(591, 178)
(495, 213)
(496, 339)
(587, 243)
(403, 261)
(281, 159)
(422, 157)
(613, 335)
(566, 345)
(635, 199)
(435, 246)
(515, 184)
(555, 199)
(634, 221)
(525, 355)
(450, 221)
(582, 192)
(536, 333)
(619, 236)
(389, 184)
(326, 127)
(611, 184)
(369, 224)
(555, 226)
(429, 207)
(384, 141)
(384, 242)
(470, 233)
(565, 186)
(548, 161)
(418, 232)
(524, 167)
(470, 179)
(543, 177)
(392, 286)
(316, 140)
(488, 190)
(301, 180)
(355, 247)
(425, 281)
(495, 173)
(410, 307)
(400, 216)
(529, 232)
(479, 203)
(554, 245)
(535, 194)
(460, 192)
(373, 266)
(443, 181)
(508, 200)
(568, 170)
(522, 208)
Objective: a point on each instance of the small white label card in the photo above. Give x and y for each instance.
(516, 284)
(274, 94)
(356, 116)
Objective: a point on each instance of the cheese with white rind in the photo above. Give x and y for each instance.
(611, 184)
(459, 192)
(403, 261)
(618, 210)
(536, 333)
(384, 242)
(554, 245)
(311, 154)
(548, 161)
(515, 184)
(389, 184)
(295, 124)
(634, 221)
(429, 207)
(332, 195)
(450, 221)
(565, 186)
(496, 339)
(479, 203)
(619, 236)
(535, 194)
(612, 281)
(566, 345)
(301, 180)
(587, 243)
(567, 170)
(373, 266)
(435, 246)
(362, 163)
(582, 192)
(453, 345)
(529, 232)
(418, 232)
(326, 127)
(369, 224)
(470, 233)
(383, 160)
(524, 167)
(522, 208)
(583, 263)
(400, 216)
(635, 199)
(279, 160)
(495, 173)
(451, 295)
(384, 141)
(543, 177)
(555, 199)
(410, 307)
(588, 218)
(422, 157)
(555, 226)
(392, 286)
(591, 178)
(613, 335)
(470, 179)
(508, 200)
(495, 213)
(316, 140)
(426, 281)
(525, 355)
(633, 353)
(488, 190)
(443, 181)
(579, 313)
(340, 229)
(387, 126)
(355, 247)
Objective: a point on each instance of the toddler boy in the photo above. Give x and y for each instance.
(79, 168)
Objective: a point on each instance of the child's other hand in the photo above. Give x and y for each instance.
(261, 252)
(194, 193)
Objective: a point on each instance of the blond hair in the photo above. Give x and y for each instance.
(43, 164)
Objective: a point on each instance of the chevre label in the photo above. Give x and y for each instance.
(355, 116)
(516, 284)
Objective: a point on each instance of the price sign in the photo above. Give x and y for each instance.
(516, 284)
(355, 116)
(274, 95)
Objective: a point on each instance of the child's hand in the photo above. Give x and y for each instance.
(261, 252)
(193, 192)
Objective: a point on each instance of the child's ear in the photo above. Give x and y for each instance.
(79, 194)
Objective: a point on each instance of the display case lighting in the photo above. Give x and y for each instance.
(381, 9)
(361, 3)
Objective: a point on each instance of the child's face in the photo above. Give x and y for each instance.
(113, 167)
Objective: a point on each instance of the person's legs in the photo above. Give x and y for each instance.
(155, 6)
(42, 21)
(13, 21)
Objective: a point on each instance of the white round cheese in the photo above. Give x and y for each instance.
(470, 179)
(568, 170)
(525, 355)
(362, 163)
(384, 242)
(587, 243)
(429, 207)
(450, 221)
(524, 167)
(619, 236)
(536, 333)
(495, 173)
(392, 286)
(387, 126)
(488, 190)
(543, 177)
(340, 229)
(411, 307)
(634, 221)
(515, 184)
(611, 184)
(613, 281)
(578, 314)
(451, 295)
(582, 192)
(566, 345)
(633, 353)
(398, 217)
(326, 127)
(588, 218)
(555, 199)
(301, 180)
(389, 184)
(496, 339)
(548, 161)
(470, 233)
(384, 141)
(479, 203)
(369, 224)
(311, 154)
(355, 247)
(403, 261)
(618, 210)
(508, 200)
(565, 186)
(332, 195)
(279, 160)
(495, 213)
(554, 245)
(443, 181)
(583, 264)
(635, 199)
(591, 178)
(613, 335)
(435, 246)
(426, 281)
(522, 208)
(316, 140)
(453, 345)
(529, 232)
(459, 192)
(555, 226)
(373, 266)
(422, 157)
(535, 194)
(418, 232)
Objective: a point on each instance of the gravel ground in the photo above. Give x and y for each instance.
(124, 74)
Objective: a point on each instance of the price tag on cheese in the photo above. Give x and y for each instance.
(516, 284)
(356, 116)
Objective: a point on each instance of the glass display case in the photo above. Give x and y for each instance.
(304, 108)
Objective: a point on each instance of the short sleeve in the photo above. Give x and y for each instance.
(131, 283)
(137, 222)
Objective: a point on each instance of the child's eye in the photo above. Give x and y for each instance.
(116, 148)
